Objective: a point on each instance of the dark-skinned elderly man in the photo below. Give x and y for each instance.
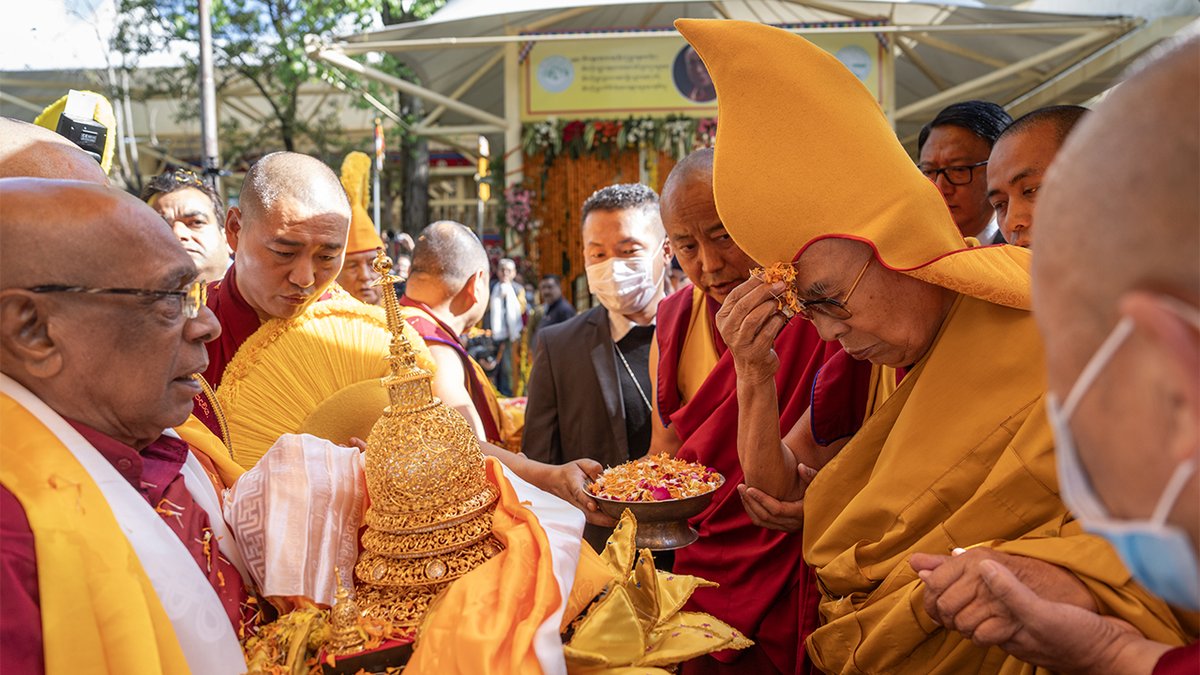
(113, 550)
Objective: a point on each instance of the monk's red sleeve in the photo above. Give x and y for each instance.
(839, 397)
(1180, 661)
(20, 610)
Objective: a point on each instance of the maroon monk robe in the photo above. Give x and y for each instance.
(1180, 661)
(766, 591)
(155, 474)
(238, 322)
(436, 332)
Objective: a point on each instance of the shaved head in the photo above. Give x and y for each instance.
(704, 250)
(33, 151)
(1111, 226)
(449, 252)
(50, 226)
(696, 166)
(298, 179)
(119, 359)
(288, 233)
(1119, 255)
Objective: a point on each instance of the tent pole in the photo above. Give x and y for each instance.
(514, 159)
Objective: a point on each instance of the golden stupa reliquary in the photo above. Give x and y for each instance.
(430, 518)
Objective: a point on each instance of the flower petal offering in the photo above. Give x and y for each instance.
(655, 478)
(788, 303)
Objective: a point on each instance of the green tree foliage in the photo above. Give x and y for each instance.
(260, 44)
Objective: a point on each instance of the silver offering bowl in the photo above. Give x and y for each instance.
(662, 525)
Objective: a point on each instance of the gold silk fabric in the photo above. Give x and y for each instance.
(804, 153)
(699, 355)
(956, 456)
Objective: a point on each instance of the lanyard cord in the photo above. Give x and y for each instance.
(641, 392)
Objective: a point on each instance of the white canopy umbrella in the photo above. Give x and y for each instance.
(467, 54)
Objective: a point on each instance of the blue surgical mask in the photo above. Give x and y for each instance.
(1160, 556)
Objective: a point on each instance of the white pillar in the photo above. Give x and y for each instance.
(514, 161)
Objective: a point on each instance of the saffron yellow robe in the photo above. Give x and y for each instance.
(100, 612)
(959, 454)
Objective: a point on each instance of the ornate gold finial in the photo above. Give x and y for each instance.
(344, 616)
(430, 519)
(409, 387)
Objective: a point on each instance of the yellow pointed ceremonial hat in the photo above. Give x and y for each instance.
(356, 177)
(363, 236)
(804, 152)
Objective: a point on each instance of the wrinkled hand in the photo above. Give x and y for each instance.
(774, 514)
(1055, 635)
(569, 482)
(958, 597)
(356, 442)
(749, 320)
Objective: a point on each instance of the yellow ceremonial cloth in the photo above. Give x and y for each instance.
(956, 456)
(474, 630)
(100, 614)
(698, 356)
(204, 441)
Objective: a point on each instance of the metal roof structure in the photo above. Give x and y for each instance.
(467, 54)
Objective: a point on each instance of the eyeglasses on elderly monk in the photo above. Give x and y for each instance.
(955, 175)
(831, 307)
(190, 299)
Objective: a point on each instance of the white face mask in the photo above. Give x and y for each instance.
(1158, 554)
(626, 285)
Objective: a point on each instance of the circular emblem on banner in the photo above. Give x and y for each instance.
(555, 73)
(856, 59)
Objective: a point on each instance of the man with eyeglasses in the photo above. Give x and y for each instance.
(113, 548)
(194, 211)
(953, 465)
(953, 152)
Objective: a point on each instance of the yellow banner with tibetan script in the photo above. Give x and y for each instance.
(654, 75)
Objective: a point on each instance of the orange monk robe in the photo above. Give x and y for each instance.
(959, 454)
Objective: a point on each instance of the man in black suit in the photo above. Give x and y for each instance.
(589, 390)
(557, 309)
